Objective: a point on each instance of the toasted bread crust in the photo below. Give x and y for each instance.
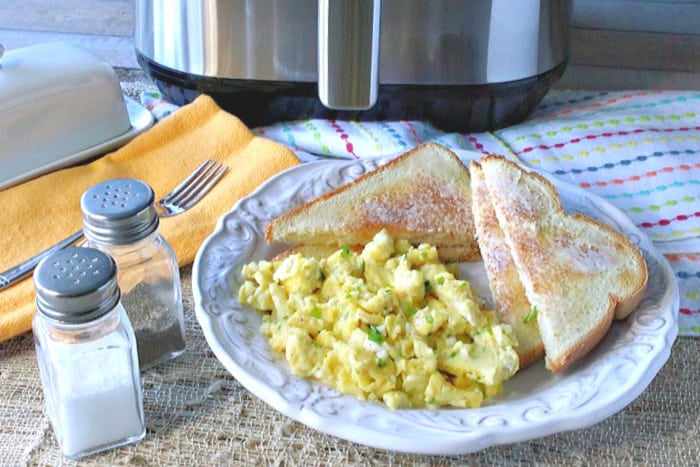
(579, 272)
(510, 301)
(558, 362)
(422, 196)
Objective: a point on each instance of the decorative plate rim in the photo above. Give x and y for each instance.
(535, 403)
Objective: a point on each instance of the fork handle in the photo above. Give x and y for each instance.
(25, 268)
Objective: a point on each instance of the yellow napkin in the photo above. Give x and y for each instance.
(40, 212)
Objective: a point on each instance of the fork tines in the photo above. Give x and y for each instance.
(194, 187)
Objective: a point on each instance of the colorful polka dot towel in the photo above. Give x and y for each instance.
(638, 150)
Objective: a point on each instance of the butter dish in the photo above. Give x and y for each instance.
(59, 106)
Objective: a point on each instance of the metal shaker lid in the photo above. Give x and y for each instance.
(119, 211)
(76, 285)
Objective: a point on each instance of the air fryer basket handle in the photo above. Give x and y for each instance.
(348, 53)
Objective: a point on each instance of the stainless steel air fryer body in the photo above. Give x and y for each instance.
(359, 58)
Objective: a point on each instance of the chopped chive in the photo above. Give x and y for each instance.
(345, 251)
(374, 334)
(453, 354)
(410, 309)
(381, 363)
(316, 312)
(429, 318)
(441, 280)
(531, 316)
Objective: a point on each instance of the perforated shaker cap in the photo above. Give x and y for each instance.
(76, 285)
(119, 211)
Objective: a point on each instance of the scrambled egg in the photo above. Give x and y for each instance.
(390, 324)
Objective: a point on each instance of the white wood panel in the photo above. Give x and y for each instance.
(118, 51)
(643, 50)
(611, 78)
(670, 16)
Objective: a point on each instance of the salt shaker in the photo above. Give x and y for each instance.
(120, 218)
(86, 351)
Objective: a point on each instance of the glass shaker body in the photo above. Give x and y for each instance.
(119, 218)
(86, 353)
(149, 277)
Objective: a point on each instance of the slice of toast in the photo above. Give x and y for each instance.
(510, 302)
(422, 196)
(578, 272)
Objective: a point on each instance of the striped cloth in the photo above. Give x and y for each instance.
(638, 150)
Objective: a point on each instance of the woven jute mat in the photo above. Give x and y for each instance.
(198, 414)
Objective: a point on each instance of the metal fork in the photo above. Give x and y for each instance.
(179, 200)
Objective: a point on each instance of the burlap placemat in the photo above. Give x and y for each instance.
(198, 414)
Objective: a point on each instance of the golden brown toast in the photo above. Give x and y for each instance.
(510, 302)
(578, 272)
(422, 196)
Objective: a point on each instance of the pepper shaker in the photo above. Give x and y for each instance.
(120, 218)
(86, 351)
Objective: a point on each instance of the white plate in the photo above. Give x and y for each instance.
(140, 118)
(534, 403)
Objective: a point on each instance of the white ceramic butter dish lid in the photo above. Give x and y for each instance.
(60, 105)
